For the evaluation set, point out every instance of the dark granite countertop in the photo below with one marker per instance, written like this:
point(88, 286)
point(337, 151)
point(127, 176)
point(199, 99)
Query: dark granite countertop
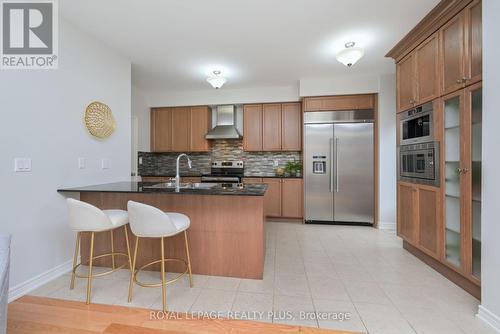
point(273, 177)
point(145, 187)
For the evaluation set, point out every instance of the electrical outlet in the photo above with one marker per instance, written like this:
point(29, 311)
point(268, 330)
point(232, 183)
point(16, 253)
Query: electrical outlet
point(22, 165)
point(81, 163)
point(275, 163)
point(105, 164)
point(140, 160)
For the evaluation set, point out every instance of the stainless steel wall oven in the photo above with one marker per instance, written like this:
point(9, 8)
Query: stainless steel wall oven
point(419, 163)
point(416, 125)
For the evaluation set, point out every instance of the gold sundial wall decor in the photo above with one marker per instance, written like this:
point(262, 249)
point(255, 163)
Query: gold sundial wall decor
point(99, 120)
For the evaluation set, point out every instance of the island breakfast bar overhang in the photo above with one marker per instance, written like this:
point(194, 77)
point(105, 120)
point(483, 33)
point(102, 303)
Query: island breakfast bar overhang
point(226, 236)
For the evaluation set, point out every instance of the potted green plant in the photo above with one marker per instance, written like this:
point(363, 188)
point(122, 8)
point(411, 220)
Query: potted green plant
point(293, 168)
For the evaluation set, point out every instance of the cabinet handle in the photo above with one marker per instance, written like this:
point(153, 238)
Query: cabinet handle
point(459, 170)
point(465, 170)
point(463, 80)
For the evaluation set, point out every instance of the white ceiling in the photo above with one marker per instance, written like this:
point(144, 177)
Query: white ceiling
point(174, 45)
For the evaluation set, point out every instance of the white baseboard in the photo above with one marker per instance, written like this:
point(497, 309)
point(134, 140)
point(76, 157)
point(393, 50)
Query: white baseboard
point(489, 318)
point(37, 281)
point(390, 226)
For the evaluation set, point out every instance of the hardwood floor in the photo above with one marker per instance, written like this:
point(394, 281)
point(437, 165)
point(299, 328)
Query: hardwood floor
point(36, 315)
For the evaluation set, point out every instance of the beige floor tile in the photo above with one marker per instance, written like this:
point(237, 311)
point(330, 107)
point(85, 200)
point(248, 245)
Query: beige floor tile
point(339, 315)
point(223, 283)
point(179, 299)
point(265, 285)
point(328, 288)
point(295, 311)
point(426, 321)
point(291, 285)
point(366, 292)
point(383, 319)
point(51, 287)
point(214, 300)
point(254, 306)
point(320, 269)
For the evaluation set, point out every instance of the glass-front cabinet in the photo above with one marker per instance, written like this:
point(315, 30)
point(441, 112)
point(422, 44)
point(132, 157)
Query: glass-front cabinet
point(461, 170)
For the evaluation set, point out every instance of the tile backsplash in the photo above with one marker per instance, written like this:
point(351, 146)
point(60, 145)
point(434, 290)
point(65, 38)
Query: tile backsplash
point(256, 163)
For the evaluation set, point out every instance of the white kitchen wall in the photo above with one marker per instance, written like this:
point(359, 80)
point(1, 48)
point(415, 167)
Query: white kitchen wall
point(224, 95)
point(140, 110)
point(42, 119)
point(490, 270)
point(387, 160)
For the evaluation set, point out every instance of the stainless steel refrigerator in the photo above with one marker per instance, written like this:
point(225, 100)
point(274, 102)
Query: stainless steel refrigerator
point(338, 167)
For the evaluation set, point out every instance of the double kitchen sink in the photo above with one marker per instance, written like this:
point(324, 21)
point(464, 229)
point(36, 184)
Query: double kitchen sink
point(171, 185)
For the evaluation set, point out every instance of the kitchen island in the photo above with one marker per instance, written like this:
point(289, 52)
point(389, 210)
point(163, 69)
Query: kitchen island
point(226, 236)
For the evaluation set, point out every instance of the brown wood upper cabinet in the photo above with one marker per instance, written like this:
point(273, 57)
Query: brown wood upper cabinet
point(199, 126)
point(272, 127)
point(161, 136)
point(291, 127)
point(474, 19)
point(427, 70)
point(180, 129)
point(417, 75)
point(339, 102)
point(461, 49)
point(252, 127)
point(406, 78)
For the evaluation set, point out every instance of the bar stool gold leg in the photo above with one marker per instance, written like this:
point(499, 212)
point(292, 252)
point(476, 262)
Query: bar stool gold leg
point(128, 248)
point(112, 250)
point(75, 259)
point(189, 260)
point(132, 272)
point(163, 285)
point(89, 282)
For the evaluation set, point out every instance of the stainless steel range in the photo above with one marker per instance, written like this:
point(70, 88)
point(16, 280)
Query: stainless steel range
point(225, 172)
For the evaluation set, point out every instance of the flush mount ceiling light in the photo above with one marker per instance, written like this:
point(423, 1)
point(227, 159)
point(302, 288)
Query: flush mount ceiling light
point(216, 80)
point(350, 55)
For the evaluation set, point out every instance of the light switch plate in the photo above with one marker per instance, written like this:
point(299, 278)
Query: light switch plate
point(140, 160)
point(22, 165)
point(81, 163)
point(275, 163)
point(105, 164)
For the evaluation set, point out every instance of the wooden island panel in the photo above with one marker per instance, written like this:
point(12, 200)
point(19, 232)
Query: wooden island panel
point(226, 236)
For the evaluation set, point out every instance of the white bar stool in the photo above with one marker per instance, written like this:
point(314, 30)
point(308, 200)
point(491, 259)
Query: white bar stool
point(146, 221)
point(84, 217)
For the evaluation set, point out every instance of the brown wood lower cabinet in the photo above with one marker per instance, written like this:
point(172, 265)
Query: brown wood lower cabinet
point(419, 217)
point(407, 225)
point(272, 199)
point(291, 198)
point(284, 197)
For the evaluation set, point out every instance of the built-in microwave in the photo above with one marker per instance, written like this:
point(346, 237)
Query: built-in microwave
point(419, 163)
point(416, 125)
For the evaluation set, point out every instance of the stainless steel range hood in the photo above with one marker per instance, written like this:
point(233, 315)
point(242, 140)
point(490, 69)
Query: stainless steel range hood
point(225, 123)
